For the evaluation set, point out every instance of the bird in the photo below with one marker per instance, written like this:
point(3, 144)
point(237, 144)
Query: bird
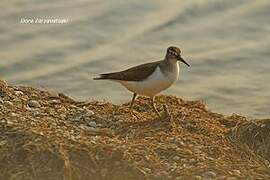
point(149, 79)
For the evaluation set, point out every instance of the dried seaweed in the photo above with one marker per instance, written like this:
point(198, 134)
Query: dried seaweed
point(46, 135)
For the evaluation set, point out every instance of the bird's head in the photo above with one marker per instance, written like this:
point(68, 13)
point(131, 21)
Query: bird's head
point(174, 53)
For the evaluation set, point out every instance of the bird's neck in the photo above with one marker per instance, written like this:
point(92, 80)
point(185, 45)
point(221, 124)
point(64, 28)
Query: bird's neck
point(170, 61)
point(169, 66)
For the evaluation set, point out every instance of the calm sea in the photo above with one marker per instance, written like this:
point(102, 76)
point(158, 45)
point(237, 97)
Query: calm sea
point(227, 43)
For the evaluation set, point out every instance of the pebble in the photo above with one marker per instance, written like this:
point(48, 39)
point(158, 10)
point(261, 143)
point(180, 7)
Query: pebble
point(3, 142)
point(176, 158)
point(32, 123)
point(53, 94)
point(1, 101)
point(87, 119)
point(19, 93)
point(56, 101)
point(87, 128)
point(33, 104)
point(209, 174)
point(193, 161)
point(236, 171)
point(197, 150)
point(62, 116)
point(36, 113)
point(6, 98)
point(89, 112)
point(9, 103)
point(92, 124)
point(10, 122)
point(13, 114)
point(147, 170)
point(177, 141)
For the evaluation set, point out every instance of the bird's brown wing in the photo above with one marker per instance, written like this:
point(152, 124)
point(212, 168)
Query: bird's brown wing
point(137, 73)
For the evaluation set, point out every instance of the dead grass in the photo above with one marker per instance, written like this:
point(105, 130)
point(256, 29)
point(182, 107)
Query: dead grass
point(255, 134)
point(65, 139)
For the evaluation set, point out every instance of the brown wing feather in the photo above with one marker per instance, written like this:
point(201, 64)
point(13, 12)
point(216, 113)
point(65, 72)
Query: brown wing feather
point(137, 73)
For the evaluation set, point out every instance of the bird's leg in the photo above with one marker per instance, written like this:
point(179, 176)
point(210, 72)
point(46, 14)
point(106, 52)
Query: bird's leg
point(132, 101)
point(154, 107)
point(131, 105)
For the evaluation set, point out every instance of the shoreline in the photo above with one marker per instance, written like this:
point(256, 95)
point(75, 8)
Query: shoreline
point(47, 134)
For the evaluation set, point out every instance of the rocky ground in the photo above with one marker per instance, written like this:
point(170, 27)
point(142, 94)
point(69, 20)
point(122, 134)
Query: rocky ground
point(47, 135)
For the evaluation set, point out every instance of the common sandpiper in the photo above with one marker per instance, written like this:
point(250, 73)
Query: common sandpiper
point(151, 78)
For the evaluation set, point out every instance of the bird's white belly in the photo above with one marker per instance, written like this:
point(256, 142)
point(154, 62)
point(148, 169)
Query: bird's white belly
point(154, 84)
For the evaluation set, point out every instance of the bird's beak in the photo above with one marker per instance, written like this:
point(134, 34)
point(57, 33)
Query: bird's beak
point(179, 58)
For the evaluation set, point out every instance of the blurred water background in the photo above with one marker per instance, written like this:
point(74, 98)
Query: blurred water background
point(227, 43)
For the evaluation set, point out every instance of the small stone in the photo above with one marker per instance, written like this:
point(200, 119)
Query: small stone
point(53, 94)
point(176, 158)
point(197, 150)
point(28, 108)
point(19, 93)
point(177, 141)
point(9, 103)
point(82, 126)
point(236, 171)
point(193, 161)
point(147, 170)
point(89, 112)
point(209, 174)
point(92, 124)
point(4, 142)
point(5, 98)
point(33, 104)
point(56, 101)
point(35, 113)
point(62, 116)
point(10, 122)
point(13, 114)
point(77, 118)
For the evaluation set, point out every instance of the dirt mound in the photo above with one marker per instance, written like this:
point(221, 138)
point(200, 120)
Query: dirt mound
point(46, 135)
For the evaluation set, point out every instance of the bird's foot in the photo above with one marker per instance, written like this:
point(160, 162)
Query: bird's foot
point(164, 113)
point(160, 116)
